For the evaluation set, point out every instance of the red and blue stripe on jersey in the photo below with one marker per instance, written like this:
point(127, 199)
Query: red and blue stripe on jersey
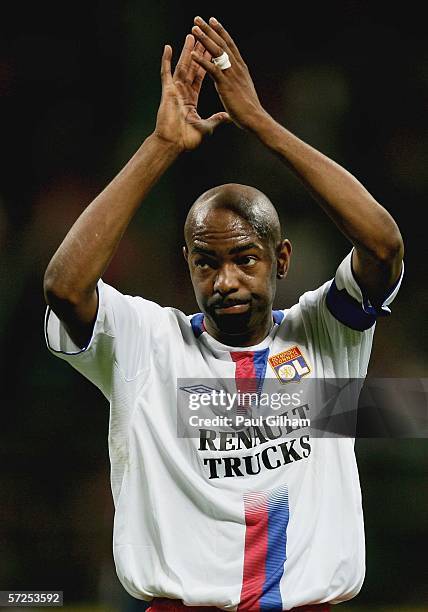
point(266, 512)
point(266, 521)
point(250, 370)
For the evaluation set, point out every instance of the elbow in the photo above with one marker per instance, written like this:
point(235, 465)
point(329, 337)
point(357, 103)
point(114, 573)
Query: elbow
point(52, 289)
point(387, 259)
point(391, 252)
point(58, 295)
point(65, 296)
point(49, 287)
point(388, 248)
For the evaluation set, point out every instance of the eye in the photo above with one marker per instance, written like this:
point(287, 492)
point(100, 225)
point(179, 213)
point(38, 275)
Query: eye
point(247, 260)
point(203, 264)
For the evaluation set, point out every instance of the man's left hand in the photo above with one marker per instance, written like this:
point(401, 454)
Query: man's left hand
point(234, 85)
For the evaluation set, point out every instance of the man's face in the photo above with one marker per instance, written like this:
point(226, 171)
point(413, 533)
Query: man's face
point(233, 272)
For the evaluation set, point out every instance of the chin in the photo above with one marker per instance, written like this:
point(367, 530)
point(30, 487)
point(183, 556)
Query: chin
point(233, 324)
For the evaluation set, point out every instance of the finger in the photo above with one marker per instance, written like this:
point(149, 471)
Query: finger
point(207, 65)
point(200, 73)
point(194, 67)
point(209, 44)
point(185, 59)
point(212, 35)
point(214, 121)
point(225, 36)
point(166, 65)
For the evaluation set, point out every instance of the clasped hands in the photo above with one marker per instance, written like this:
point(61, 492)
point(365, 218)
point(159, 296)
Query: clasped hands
point(178, 122)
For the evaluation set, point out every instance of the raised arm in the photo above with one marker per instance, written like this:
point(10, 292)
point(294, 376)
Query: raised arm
point(72, 274)
point(371, 229)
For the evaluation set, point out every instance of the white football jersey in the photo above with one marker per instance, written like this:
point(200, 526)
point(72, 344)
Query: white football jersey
point(263, 522)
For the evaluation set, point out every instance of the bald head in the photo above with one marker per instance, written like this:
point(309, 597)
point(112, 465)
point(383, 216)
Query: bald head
point(247, 202)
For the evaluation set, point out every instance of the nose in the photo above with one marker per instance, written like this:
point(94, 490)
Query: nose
point(226, 280)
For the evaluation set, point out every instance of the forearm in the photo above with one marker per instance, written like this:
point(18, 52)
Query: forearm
point(377, 260)
point(90, 244)
point(369, 227)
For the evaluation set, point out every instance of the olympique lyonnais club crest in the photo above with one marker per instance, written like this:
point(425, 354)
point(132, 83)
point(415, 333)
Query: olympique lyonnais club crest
point(290, 365)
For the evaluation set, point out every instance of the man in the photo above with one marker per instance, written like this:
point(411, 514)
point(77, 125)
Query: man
point(232, 519)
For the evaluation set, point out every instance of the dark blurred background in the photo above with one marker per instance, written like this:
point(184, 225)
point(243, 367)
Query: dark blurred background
point(79, 86)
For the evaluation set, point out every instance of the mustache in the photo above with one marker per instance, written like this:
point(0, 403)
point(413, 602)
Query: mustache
point(227, 302)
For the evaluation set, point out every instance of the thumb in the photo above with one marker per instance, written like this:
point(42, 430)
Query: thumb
point(166, 76)
point(215, 120)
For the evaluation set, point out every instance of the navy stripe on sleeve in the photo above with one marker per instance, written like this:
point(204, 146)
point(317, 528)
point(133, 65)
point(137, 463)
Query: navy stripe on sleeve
point(351, 312)
point(348, 310)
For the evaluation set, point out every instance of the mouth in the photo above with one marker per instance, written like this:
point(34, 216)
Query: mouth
point(232, 309)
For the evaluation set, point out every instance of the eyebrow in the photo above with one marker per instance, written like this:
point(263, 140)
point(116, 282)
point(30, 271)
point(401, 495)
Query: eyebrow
point(237, 249)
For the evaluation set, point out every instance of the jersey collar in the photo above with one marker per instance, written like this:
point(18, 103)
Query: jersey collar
point(198, 327)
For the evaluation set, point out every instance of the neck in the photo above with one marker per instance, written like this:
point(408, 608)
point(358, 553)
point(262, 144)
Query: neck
point(249, 337)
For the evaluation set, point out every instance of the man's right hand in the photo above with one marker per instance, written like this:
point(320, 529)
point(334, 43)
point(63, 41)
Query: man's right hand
point(178, 122)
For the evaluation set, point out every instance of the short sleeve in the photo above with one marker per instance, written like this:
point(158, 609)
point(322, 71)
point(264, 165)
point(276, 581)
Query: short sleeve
point(348, 304)
point(121, 338)
point(339, 323)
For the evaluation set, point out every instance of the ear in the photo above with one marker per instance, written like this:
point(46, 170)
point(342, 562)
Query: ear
point(186, 254)
point(283, 256)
